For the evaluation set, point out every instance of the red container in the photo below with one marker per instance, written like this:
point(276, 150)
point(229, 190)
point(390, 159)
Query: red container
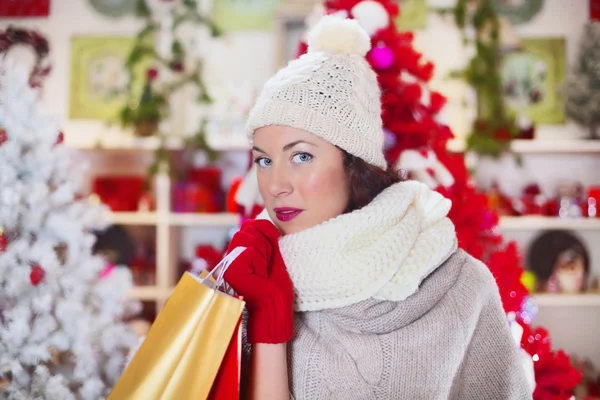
point(119, 193)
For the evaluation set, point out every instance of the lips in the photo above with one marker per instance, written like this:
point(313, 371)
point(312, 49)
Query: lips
point(285, 214)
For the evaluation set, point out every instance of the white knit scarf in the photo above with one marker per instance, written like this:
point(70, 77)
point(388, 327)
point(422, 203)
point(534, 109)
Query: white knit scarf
point(382, 251)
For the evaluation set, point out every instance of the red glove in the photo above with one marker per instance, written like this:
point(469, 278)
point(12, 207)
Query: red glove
point(259, 275)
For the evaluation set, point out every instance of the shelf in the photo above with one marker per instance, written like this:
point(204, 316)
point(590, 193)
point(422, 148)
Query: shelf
point(564, 146)
point(218, 142)
point(540, 222)
point(204, 219)
point(132, 218)
point(567, 300)
point(556, 146)
point(147, 293)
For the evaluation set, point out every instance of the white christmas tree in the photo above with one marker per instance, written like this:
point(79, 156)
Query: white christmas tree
point(61, 330)
point(582, 86)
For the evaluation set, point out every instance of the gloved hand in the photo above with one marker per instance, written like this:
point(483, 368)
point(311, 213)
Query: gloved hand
point(259, 275)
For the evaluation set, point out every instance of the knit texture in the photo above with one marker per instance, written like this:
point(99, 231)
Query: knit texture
point(382, 251)
point(449, 340)
point(331, 91)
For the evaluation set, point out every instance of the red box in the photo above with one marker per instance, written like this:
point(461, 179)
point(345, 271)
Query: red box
point(24, 8)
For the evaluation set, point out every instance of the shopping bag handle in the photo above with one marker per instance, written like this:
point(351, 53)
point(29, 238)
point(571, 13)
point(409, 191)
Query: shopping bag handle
point(223, 265)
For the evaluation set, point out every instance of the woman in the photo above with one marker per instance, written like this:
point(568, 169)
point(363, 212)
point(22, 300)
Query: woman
point(353, 282)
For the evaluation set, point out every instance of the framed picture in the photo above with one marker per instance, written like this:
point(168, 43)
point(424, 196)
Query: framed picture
point(99, 78)
point(413, 15)
point(243, 15)
point(24, 8)
point(531, 78)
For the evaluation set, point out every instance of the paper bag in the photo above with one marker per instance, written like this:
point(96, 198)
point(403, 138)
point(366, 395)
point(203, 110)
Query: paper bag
point(183, 351)
point(227, 383)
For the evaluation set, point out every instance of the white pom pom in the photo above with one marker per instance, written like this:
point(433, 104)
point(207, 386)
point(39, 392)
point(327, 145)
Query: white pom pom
point(371, 16)
point(337, 35)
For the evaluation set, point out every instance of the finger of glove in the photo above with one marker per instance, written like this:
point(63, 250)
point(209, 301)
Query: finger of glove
point(251, 237)
point(264, 227)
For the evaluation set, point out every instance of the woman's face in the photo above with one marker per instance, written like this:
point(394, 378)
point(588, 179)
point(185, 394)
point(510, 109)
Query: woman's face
point(301, 177)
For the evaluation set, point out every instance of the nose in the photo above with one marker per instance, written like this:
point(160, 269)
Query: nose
point(279, 180)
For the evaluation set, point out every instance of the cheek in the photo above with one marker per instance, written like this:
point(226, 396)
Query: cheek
point(326, 187)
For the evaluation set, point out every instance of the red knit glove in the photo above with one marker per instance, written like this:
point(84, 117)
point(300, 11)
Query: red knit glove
point(259, 275)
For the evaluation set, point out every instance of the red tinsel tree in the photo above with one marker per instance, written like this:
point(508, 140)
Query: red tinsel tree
point(410, 112)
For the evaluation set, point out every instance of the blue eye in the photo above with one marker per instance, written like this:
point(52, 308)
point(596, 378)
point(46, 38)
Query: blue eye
point(263, 162)
point(302, 158)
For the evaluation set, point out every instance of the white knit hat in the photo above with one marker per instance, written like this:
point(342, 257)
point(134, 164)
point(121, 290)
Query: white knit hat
point(331, 91)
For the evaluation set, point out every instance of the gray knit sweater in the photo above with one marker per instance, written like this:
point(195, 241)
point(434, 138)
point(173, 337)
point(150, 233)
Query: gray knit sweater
point(449, 340)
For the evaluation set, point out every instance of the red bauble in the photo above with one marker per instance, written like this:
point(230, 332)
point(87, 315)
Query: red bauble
point(3, 136)
point(36, 275)
point(60, 138)
point(3, 241)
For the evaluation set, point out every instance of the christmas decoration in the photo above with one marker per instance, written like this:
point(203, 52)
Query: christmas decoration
point(176, 65)
point(3, 241)
point(16, 36)
point(36, 275)
point(25, 8)
point(61, 329)
point(582, 86)
point(416, 141)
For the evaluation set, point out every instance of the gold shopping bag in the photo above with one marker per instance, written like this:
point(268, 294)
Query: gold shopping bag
point(181, 355)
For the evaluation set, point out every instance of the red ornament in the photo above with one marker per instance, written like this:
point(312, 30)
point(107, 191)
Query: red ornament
point(3, 241)
point(60, 138)
point(3, 136)
point(36, 275)
point(152, 74)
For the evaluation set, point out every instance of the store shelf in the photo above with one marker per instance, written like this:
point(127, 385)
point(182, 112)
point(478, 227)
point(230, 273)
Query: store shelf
point(147, 293)
point(555, 146)
point(218, 142)
point(522, 146)
point(541, 223)
point(204, 219)
point(567, 300)
point(132, 218)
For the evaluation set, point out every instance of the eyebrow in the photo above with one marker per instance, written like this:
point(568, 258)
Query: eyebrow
point(286, 147)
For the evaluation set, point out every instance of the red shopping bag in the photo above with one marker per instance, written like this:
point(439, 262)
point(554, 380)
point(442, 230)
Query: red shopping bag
point(227, 383)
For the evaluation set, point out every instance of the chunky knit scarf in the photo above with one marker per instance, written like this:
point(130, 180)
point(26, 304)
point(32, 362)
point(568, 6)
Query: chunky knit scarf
point(382, 251)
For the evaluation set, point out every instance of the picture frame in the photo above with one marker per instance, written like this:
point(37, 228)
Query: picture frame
point(99, 78)
point(244, 15)
point(413, 15)
point(532, 77)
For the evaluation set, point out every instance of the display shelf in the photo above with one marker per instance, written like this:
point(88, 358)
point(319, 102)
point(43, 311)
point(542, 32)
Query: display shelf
point(132, 218)
point(217, 141)
point(204, 219)
point(567, 300)
point(541, 223)
point(147, 293)
point(521, 146)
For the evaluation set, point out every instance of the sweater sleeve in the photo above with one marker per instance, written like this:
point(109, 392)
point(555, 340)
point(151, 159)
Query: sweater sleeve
point(492, 367)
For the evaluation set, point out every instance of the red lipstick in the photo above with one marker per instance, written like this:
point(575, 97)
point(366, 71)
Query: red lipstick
point(285, 214)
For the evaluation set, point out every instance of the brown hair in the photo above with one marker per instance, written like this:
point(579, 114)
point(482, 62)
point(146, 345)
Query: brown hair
point(366, 181)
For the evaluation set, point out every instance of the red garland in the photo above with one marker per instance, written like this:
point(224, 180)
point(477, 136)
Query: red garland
point(17, 36)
